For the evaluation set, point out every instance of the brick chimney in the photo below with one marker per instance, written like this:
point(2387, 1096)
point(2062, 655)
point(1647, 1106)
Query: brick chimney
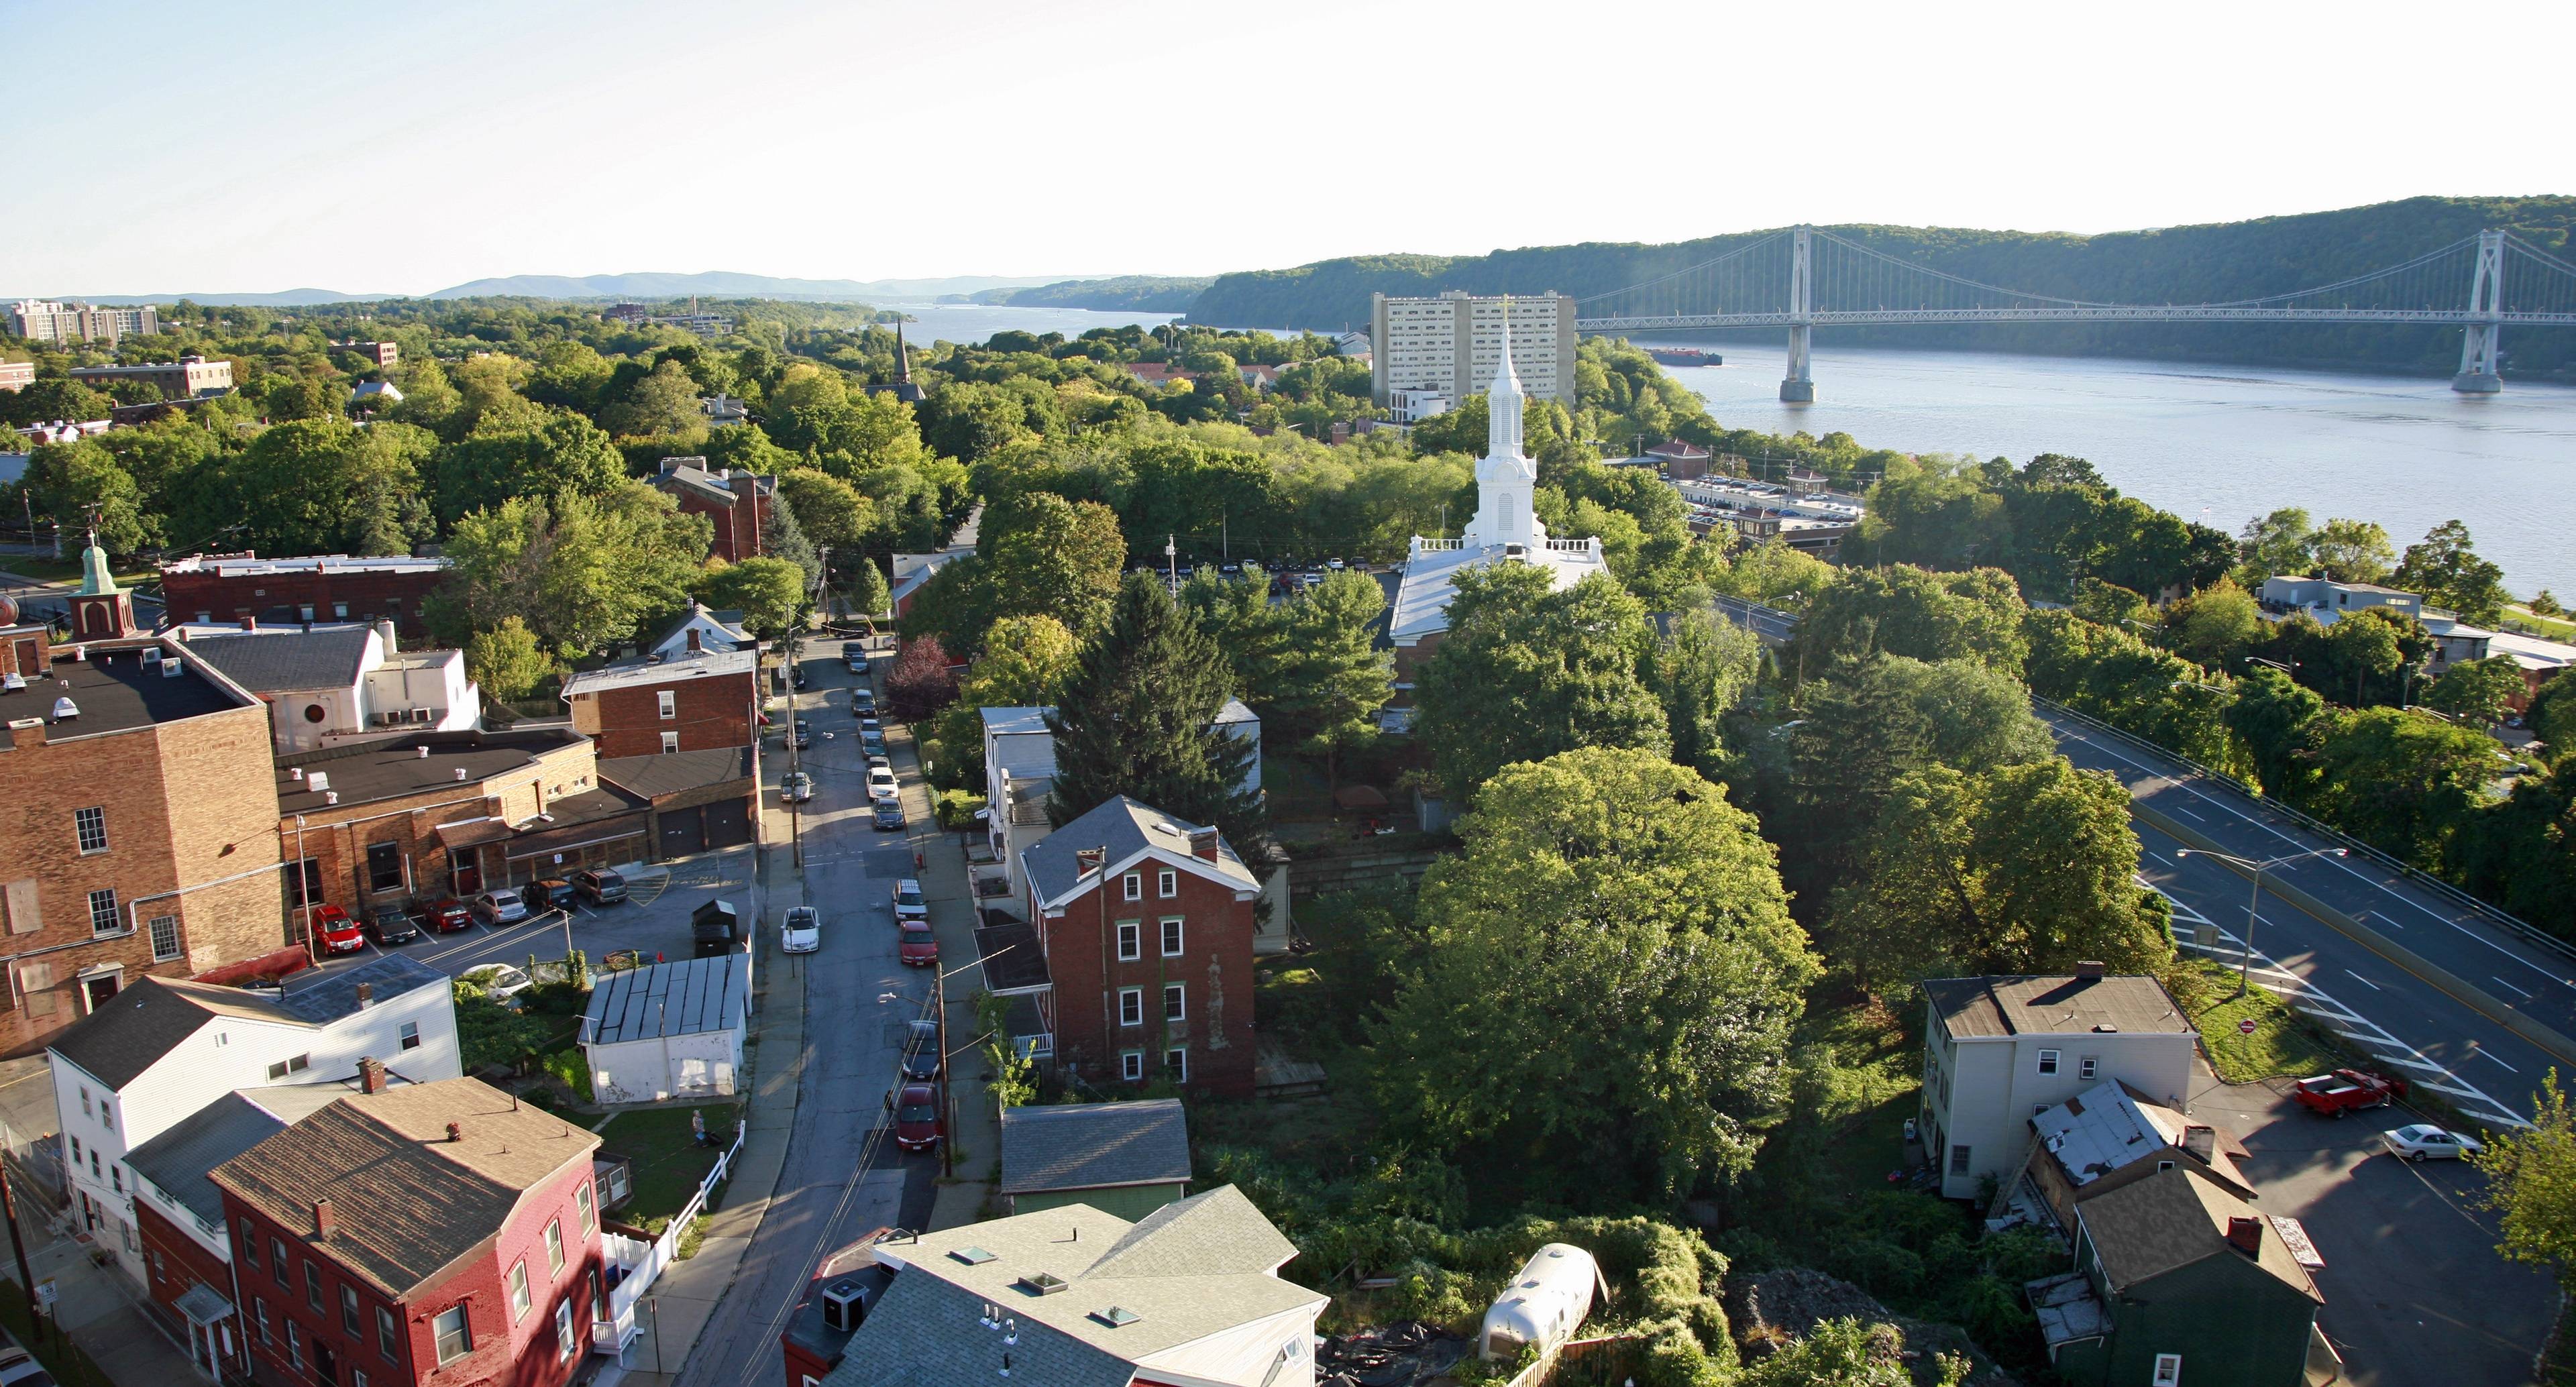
point(2245, 1234)
point(325, 1222)
point(250, 623)
point(456, 1131)
point(366, 995)
point(371, 1075)
point(1203, 843)
point(2089, 970)
point(2199, 1140)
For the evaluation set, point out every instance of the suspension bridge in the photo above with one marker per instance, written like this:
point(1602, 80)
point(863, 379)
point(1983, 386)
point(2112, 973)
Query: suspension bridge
point(1804, 277)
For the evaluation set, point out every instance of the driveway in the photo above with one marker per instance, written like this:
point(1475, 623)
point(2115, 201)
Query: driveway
point(2415, 1293)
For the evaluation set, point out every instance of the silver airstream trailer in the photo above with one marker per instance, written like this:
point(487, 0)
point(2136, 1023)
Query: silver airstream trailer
point(1543, 1305)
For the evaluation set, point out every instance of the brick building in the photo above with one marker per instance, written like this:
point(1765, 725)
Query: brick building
point(700, 800)
point(140, 832)
point(652, 706)
point(339, 683)
point(738, 502)
point(381, 353)
point(185, 379)
point(282, 592)
point(17, 375)
point(425, 1233)
point(1146, 926)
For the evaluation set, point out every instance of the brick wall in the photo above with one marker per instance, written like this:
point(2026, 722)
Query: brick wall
point(708, 711)
point(369, 595)
point(173, 1262)
point(337, 839)
point(1214, 970)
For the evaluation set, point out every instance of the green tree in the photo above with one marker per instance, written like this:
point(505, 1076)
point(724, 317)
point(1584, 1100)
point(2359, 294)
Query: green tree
point(560, 454)
point(507, 661)
point(1847, 1353)
point(2281, 724)
point(2448, 573)
point(2405, 783)
point(1596, 874)
point(1325, 692)
point(2531, 1183)
point(52, 399)
point(1526, 671)
point(1237, 614)
point(315, 486)
point(1914, 612)
point(1026, 663)
point(864, 586)
point(769, 592)
point(582, 572)
point(69, 482)
point(1042, 555)
point(830, 510)
point(1138, 718)
point(2214, 627)
point(1701, 667)
point(2280, 543)
point(2477, 689)
point(2352, 551)
point(663, 402)
point(2552, 717)
point(2362, 647)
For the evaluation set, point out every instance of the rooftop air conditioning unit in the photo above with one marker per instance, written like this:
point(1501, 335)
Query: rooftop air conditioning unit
point(318, 781)
point(151, 654)
point(12, 683)
point(845, 1303)
point(173, 667)
point(65, 709)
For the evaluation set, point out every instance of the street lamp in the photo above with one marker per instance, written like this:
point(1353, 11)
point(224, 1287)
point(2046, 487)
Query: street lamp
point(2245, 962)
point(2291, 668)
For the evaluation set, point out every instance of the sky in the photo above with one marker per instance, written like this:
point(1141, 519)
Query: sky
point(163, 148)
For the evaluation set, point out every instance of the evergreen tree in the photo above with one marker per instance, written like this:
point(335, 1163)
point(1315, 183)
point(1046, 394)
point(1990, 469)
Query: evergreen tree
point(1137, 717)
point(865, 586)
point(783, 538)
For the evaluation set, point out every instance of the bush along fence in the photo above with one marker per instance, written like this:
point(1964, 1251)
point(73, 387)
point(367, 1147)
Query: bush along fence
point(638, 1262)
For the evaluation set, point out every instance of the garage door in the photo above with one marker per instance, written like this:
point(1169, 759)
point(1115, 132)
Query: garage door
point(728, 824)
point(683, 832)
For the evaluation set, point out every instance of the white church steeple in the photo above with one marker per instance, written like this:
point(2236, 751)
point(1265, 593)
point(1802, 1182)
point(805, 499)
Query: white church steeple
point(1505, 479)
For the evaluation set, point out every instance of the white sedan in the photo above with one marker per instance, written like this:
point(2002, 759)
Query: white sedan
point(881, 783)
point(2424, 1141)
point(802, 931)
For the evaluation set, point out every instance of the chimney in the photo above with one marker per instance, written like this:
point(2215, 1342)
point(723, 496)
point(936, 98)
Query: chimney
point(325, 1222)
point(366, 999)
point(2088, 970)
point(1203, 843)
point(2200, 1141)
point(250, 623)
point(385, 633)
point(456, 1131)
point(2245, 1234)
point(371, 1073)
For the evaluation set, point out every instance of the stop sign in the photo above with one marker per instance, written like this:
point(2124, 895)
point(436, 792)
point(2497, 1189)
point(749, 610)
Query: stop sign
point(2246, 1026)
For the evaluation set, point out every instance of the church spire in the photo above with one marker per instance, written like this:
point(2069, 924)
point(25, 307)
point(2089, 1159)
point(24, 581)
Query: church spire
point(1504, 401)
point(902, 354)
point(1506, 480)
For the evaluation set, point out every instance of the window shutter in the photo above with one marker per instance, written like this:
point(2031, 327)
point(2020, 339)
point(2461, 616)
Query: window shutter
point(24, 915)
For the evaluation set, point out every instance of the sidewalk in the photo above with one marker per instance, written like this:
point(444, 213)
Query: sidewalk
point(96, 1306)
point(975, 1130)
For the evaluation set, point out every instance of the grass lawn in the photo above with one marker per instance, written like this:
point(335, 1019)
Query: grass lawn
point(61, 1357)
point(45, 570)
point(668, 1165)
point(2284, 1043)
point(2549, 627)
point(1296, 789)
point(1846, 1128)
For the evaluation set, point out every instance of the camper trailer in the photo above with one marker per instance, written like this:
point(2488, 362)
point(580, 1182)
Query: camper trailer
point(1543, 1305)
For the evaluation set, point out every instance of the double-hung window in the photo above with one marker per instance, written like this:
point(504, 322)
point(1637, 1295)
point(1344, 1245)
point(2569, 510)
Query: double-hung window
point(1171, 936)
point(90, 826)
point(1134, 885)
point(102, 911)
point(581, 1204)
point(1175, 1002)
point(1167, 883)
point(1131, 1006)
point(1131, 943)
point(518, 1290)
point(554, 1246)
point(455, 1335)
point(567, 1343)
point(2048, 1061)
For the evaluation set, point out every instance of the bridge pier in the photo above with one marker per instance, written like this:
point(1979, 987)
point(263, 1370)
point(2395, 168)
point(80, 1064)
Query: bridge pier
point(2479, 359)
point(2478, 375)
point(1798, 387)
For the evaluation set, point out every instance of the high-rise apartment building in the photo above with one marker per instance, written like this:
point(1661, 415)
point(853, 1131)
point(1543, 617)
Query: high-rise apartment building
point(39, 320)
point(1452, 345)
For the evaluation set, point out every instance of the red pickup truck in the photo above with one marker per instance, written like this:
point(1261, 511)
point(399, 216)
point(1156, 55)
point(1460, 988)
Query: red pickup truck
point(2346, 1089)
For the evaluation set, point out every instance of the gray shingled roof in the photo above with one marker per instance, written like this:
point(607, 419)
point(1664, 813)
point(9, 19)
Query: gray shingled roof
point(178, 1160)
point(1085, 1146)
point(690, 997)
point(2055, 1005)
point(676, 772)
point(326, 657)
point(152, 1015)
point(1127, 828)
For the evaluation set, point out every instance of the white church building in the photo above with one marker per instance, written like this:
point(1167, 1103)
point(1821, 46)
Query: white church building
point(1506, 530)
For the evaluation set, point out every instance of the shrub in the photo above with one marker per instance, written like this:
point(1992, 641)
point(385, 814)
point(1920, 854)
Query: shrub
point(956, 809)
point(571, 1067)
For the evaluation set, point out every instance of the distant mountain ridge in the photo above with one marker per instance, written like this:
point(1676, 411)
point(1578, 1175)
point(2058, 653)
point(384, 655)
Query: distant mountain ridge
point(727, 284)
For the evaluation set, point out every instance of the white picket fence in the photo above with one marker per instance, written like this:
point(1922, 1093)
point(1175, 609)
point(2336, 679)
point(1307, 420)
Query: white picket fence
point(644, 1261)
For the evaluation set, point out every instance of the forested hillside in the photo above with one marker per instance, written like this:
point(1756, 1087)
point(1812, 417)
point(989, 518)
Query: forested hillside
point(2188, 264)
point(1137, 293)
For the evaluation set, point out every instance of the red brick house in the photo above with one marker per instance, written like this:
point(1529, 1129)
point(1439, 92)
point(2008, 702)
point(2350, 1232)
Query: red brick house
point(436, 1234)
point(224, 588)
point(1146, 926)
point(738, 502)
point(647, 707)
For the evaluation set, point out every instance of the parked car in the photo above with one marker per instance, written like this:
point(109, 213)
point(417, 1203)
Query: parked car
point(336, 932)
point(873, 743)
point(796, 788)
point(502, 906)
point(881, 783)
point(800, 734)
point(856, 659)
point(888, 816)
point(907, 901)
point(18, 1367)
point(553, 893)
point(863, 700)
point(446, 915)
point(499, 981)
point(802, 931)
point(2423, 1141)
point(921, 1050)
point(386, 925)
point(599, 886)
point(876, 761)
point(2346, 1089)
point(915, 948)
point(917, 1126)
point(798, 678)
point(869, 723)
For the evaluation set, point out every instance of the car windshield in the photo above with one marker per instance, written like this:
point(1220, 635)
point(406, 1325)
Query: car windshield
point(907, 898)
point(916, 1112)
point(916, 930)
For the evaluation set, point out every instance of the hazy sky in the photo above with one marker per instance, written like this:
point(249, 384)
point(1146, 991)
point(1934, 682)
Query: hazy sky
point(401, 148)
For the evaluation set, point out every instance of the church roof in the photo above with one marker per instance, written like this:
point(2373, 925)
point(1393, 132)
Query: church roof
point(1431, 578)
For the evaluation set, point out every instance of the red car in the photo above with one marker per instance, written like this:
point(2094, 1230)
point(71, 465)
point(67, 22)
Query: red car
point(916, 1117)
point(446, 915)
point(916, 947)
point(2346, 1089)
point(338, 933)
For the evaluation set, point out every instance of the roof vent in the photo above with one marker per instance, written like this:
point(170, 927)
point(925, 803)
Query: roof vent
point(65, 710)
point(12, 683)
point(318, 781)
point(2106, 1030)
point(173, 667)
point(296, 774)
point(460, 772)
point(456, 1131)
point(1044, 1283)
point(971, 1256)
point(424, 752)
point(151, 654)
point(1116, 1316)
point(330, 797)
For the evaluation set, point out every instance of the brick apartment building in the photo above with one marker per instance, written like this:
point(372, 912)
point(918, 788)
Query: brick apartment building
point(279, 592)
point(738, 502)
point(17, 375)
point(647, 707)
point(424, 1233)
point(1146, 926)
point(381, 353)
point(184, 379)
point(140, 832)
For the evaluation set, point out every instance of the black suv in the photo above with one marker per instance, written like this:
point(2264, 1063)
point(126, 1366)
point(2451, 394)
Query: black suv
point(390, 924)
point(921, 1051)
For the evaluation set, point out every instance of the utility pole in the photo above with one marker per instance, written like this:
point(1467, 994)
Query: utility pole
point(36, 1314)
point(1171, 566)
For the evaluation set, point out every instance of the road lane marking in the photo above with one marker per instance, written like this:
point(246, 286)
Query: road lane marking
point(2187, 813)
point(2411, 1064)
point(2527, 995)
point(2480, 1049)
point(2446, 1088)
point(2356, 977)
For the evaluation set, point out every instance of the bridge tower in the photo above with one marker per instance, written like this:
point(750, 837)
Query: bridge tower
point(1797, 387)
point(2478, 358)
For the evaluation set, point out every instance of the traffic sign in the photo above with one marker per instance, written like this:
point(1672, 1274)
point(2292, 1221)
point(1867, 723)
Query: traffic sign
point(2246, 1026)
point(45, 1292)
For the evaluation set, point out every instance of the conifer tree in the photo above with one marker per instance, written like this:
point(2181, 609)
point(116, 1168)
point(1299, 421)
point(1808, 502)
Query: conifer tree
point(1137, 720)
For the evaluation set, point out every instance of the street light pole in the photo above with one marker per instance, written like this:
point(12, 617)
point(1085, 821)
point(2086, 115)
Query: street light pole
point(2245, 958)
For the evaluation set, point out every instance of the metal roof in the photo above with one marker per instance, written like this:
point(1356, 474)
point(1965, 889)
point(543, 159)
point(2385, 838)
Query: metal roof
point(690, 997)
point(1081, 1146)
point(267, 661)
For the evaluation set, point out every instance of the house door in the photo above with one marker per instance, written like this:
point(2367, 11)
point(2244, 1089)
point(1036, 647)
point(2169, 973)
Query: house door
point(96, 989)
point(326, 1366)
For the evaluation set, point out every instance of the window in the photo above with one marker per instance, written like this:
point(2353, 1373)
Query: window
point(76, 1155)
point(2048, 1061)
point(259, 1316)
point(554, 1245)
point(284, 1067)
point(1131, 943)
point(106, 1114)
point(567, 1343)
point(2162, 1166)
point(2087, 1067)
point(667, 703)
point(1167, 883)
point(1958, 1160)
point(313, 1285)
point(2168, 1370)
point(357, 1377)
point(1135, 886)
point(455, 1336)
point(411, 1035)
point(388, 1335)
point(349, 1318)
point(165, 938)
point(581, 1204)
point(250, 1249)
point(294, 1344)
point(1177, 1060)
point(518, 1290)
point(116, 1177)
point(384, 867)
point(102, 912)
point(670, 742)
point(304, 611)
point(1175, 1002)
point(93, 1163)
point(304, 888)
point(85, 1110)
point(91, 827)
point(1131, 1065)
point(277, 1259)
point(1171, 936)
point(1131, 1006)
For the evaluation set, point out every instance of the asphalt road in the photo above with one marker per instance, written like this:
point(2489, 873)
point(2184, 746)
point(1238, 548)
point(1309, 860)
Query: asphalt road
point(2479, 1065)
point(842, 1178)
